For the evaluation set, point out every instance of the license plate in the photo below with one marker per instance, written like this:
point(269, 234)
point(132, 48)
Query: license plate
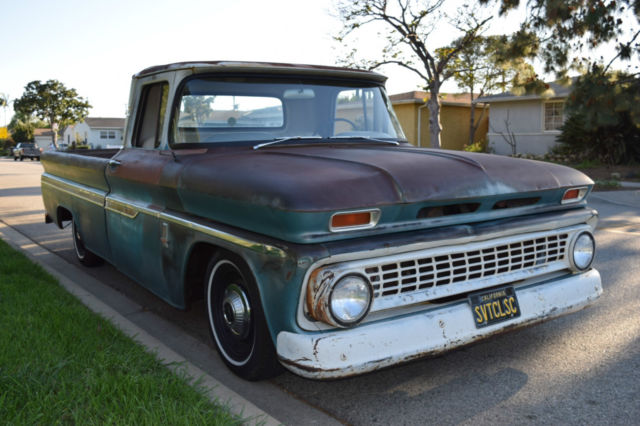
point(494, 306)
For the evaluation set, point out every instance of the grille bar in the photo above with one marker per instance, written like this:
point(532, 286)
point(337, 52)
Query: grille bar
point(407, 276)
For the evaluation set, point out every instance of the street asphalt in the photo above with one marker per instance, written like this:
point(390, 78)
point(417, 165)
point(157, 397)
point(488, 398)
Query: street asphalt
point(583, 368)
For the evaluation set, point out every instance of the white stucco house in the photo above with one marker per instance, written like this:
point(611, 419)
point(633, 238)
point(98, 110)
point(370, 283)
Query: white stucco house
point(97, 132)
point(532, 121)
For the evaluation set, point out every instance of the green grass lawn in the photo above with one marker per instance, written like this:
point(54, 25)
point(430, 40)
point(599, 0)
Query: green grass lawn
point(61, 363)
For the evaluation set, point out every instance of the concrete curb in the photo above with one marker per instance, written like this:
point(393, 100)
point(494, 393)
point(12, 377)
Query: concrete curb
point(217, 392)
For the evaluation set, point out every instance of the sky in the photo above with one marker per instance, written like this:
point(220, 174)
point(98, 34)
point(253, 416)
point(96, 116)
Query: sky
point(96, 46)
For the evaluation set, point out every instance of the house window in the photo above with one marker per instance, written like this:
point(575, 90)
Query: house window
point(553, 115)
point(107, 134)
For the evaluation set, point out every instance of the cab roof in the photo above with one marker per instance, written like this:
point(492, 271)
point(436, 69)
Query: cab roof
point(264, 68)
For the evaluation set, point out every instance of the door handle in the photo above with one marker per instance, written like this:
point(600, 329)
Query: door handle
point(114, 163)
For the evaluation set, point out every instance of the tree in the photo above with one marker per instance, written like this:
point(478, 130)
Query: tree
point(4, 103)
point(406, 26)
point(22, 127)
point(481, 68)
point(603, 125)
point(21, 131)
point(53, 102)
point(567, 30)
point(508, 135)
point(566, 34)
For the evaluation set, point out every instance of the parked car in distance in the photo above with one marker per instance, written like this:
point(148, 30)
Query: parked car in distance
point(26, 150)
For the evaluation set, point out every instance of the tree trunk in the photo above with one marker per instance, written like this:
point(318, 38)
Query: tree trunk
point(472, 122)
point(434, 116)
point(54, 136)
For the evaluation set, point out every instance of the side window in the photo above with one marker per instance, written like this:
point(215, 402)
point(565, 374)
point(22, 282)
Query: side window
point(153, 103)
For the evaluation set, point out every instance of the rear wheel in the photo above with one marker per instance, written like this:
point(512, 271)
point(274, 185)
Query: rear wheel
point(21, 158)
point(84, 255)
point(236, 319)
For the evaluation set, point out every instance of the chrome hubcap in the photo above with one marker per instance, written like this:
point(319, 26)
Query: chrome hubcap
point(236, 311)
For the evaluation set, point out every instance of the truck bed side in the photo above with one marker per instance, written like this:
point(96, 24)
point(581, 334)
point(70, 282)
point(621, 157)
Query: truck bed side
point(74, 186)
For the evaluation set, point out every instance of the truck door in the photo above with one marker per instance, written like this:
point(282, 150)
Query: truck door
point(136, 196)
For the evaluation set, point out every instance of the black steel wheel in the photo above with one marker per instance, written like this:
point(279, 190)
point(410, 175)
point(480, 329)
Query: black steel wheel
point(236, 319)
point(84, 255)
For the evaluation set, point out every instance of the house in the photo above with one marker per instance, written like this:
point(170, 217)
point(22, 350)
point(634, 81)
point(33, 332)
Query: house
point(43, 137)
point(97, 132)
point(526, 124)
point(413, 114)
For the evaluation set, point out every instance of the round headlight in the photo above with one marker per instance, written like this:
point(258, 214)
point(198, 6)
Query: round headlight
point(350, 300)
point(584, 249)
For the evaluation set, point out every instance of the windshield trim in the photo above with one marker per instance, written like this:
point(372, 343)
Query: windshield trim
point(329, 80)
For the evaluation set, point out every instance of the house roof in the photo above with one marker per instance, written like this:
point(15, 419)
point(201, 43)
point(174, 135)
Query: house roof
point(42, 132)
point(105, 122)
point(556, 90)
point(420, 97)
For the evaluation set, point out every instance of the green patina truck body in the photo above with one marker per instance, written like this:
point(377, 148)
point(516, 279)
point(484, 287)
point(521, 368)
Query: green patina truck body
point(320, 239)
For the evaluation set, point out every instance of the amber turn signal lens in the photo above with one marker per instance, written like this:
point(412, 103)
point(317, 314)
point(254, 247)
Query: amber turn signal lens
point(573, 195)
point(350, 219)
point(570, 194)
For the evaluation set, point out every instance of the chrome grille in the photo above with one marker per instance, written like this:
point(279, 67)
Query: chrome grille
point(411, 275)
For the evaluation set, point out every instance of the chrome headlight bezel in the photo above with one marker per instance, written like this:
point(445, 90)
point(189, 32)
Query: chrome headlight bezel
point(577, 242)
point(365, 286)
point(321, 291)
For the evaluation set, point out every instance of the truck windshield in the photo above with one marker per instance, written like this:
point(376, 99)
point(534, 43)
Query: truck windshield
point(213, 110)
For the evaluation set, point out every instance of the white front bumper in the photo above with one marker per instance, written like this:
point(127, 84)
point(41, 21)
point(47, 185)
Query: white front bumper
point(341, 353)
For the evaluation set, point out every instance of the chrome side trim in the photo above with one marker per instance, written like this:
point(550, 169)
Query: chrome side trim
point(119, 207)
point(85, 193)
point(133, 209)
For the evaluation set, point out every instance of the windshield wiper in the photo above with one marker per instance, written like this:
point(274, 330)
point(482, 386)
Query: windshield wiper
point(365, 138)
point(286, 139)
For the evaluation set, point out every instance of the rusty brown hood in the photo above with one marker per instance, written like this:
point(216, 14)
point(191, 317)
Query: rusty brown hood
point(335, 177)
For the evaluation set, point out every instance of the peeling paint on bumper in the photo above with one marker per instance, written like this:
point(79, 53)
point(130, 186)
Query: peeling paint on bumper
point(343, 353)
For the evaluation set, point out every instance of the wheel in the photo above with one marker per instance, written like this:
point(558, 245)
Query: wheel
point(84, 255)
point(32, 158)
point(15, 158)
point(236, 319)
point(21, 158)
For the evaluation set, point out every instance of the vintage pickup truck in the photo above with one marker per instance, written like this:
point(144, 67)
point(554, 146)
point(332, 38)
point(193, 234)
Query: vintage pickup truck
point(288, 198)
